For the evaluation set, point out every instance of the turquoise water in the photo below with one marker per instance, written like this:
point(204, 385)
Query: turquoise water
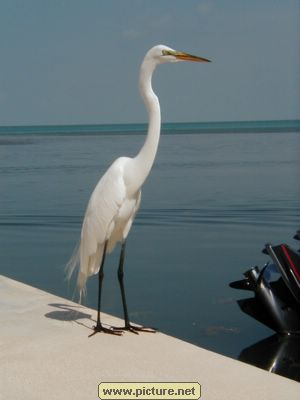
point(208, 207)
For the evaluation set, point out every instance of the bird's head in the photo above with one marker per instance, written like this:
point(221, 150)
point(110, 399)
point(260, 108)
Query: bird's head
point(161, 54)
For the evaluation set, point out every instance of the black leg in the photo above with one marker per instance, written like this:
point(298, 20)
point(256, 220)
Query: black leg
point(128, 326)
point(121, 282)
point(99, 327)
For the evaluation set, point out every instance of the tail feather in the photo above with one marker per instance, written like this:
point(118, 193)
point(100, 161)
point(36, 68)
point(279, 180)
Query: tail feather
point(73, 265)
point(86, 265)
point(81, 286)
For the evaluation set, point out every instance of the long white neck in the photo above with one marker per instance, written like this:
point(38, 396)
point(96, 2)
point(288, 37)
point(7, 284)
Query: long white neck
point(144, 159)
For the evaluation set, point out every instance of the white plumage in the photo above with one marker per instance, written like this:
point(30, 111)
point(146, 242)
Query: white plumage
point(109, 216)
point(116, 198)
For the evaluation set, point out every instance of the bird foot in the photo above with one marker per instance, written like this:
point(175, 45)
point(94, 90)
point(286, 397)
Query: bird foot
point(112, 331)
point(136, 329)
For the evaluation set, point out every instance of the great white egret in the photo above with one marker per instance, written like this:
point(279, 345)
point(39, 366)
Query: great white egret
point(116, 198)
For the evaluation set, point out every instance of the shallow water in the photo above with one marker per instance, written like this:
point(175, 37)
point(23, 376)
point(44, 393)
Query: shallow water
point(210, 204)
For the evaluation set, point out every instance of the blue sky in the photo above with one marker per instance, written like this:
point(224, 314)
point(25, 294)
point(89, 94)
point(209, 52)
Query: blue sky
point(71, 61)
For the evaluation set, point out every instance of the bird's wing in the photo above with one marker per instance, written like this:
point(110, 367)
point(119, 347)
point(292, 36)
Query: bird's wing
point(136, 206)
point(103, 207)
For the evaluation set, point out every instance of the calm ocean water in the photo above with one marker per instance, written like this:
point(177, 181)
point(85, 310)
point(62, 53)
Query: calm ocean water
point(216, 194)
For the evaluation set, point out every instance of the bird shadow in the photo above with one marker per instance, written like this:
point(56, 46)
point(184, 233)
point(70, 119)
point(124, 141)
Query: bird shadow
point(68, 312)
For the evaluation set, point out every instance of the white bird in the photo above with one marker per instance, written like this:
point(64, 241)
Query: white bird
point(116, 198)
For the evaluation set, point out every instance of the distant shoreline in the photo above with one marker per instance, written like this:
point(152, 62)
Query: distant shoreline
point(266, 126)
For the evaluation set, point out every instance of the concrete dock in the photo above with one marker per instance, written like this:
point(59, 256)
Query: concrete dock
point(46, 354)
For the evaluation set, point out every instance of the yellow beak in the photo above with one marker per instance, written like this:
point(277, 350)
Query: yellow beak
point(185, 56)
point(189, 57)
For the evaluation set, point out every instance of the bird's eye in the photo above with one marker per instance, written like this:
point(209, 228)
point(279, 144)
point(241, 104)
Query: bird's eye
point(166, 53)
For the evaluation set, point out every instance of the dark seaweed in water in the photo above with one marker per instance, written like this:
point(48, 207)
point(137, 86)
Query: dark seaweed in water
point(7, 141)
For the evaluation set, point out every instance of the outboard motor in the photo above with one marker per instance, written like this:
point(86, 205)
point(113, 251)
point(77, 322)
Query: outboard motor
point(277, 290)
